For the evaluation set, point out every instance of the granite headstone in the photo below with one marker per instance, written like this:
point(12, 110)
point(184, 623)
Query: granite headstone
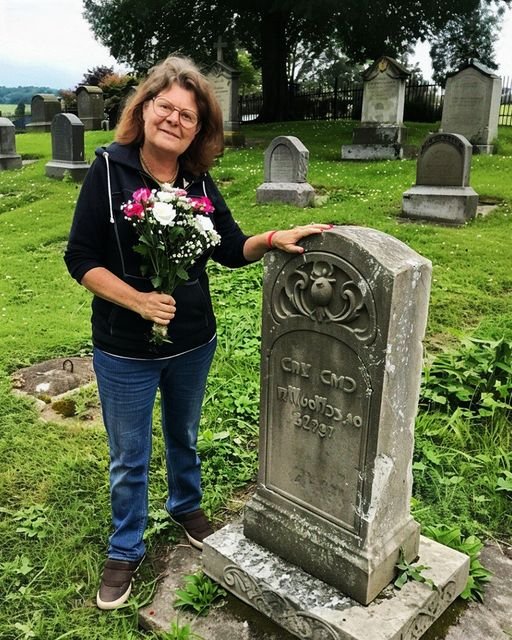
point(286, 163)
point(442, 192)
point(44, 106)
point(67, 148)
point(381, 133)
point(472, 105)
point(225, 82)
point(91, 106)
point(9, 159)
point(340, 372)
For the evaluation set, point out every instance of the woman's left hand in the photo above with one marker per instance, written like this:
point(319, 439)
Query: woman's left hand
point(286, 239)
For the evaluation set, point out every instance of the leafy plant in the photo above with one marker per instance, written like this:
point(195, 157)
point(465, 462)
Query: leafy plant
point(475, 379)
point(32, 521)
point(471, 546)
point(199, 594)
point(407, 571)
point(180, 632)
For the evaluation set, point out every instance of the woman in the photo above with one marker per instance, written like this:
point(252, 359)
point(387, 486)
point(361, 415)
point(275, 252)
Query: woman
point(170, 132)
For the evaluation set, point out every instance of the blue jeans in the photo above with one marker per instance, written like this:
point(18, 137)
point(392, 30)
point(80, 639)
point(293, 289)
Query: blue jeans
point(127, 390)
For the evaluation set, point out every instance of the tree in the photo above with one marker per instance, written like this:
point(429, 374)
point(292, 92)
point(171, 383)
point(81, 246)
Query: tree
point(20, 110)
point(141, 32)
point(94, 76)
point(463, 38)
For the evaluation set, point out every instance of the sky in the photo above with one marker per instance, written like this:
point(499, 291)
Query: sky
point(49, 43)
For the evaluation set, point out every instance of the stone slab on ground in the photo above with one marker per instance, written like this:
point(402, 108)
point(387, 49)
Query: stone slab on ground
point(309, 608)
point(371, 152)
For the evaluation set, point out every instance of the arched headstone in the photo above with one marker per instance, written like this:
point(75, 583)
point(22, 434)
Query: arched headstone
point(9, 159)
point(67, 148)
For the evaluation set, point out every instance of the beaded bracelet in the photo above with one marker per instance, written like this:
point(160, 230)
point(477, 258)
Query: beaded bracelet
point(269, 239)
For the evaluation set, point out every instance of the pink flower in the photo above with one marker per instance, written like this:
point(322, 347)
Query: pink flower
point(142, 195)
point(202, 204)
point(134, 210)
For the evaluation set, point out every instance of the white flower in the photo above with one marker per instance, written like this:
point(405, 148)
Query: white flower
point(204, 224)
point(164, 213)
point(165, 196)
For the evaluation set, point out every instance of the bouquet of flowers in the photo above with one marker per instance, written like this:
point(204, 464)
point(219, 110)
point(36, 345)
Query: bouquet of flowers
point(174, 229)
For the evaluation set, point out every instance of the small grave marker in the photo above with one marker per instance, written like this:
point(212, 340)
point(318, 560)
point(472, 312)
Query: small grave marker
point(286, 164)
point(442, 192)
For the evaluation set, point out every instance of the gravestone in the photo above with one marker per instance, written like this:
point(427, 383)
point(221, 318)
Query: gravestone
point(91, 106)
point(9, 159)
point(340, 373)
point(44, 106)
point(285, 168)
point(381, 133)
point(225, 81)
point(472, 105)
point(442, 192)
point(67, 148)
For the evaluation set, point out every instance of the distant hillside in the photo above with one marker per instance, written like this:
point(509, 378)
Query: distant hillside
point(14, 95)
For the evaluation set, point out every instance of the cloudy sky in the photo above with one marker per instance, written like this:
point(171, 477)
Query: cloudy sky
point(48, 43)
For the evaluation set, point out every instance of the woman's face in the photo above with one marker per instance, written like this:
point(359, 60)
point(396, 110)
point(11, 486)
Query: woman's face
point(171, 120)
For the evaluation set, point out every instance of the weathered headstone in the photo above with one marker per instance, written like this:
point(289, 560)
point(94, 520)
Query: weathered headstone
point(225, 82)
point(286, 167)
point(67, 148)
point(91, 106)
point(472, 105)
point(9, 159)
point(44, 106)
point(442, 192)
point(381, 133)
point(340, 373)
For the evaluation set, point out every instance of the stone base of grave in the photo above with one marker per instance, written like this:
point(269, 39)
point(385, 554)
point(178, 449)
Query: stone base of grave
point(379, 134)
point(39, 127)
point(10, 161)
point(371, 152)
point(324, 549)
point(308, 608)
point(299, 194)
point(483, 149)
point(233, 137)
point(450, 205)
point(57, 169)
point(92, 124)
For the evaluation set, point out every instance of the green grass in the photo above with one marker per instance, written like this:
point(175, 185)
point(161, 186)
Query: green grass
point(54, 520)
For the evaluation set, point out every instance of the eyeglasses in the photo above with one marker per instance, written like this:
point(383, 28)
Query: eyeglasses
point(163, 109)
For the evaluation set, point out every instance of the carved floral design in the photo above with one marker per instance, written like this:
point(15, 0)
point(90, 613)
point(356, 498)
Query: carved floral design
point(277, 607)
point(326, 289)
point(437, 604)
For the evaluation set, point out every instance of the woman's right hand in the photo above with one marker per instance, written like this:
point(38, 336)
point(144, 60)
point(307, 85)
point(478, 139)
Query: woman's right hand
point(157, 307)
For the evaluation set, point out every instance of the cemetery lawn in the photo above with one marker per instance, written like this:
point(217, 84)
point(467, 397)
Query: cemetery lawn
point(54, 512)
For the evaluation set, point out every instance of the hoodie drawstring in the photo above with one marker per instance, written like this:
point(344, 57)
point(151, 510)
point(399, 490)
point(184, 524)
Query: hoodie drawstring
point(111, 208)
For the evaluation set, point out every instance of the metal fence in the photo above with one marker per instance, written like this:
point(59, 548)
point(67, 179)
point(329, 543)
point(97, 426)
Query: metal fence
point(506, 102)
point(423, 103)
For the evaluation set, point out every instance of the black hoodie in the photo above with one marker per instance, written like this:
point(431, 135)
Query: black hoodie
point(101, 237)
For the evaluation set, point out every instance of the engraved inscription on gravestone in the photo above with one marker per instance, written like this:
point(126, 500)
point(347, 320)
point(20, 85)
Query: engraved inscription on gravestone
point(222, 87)
point(381, 98)
point(465, 101)
point(320, 407)
point(281, 164)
